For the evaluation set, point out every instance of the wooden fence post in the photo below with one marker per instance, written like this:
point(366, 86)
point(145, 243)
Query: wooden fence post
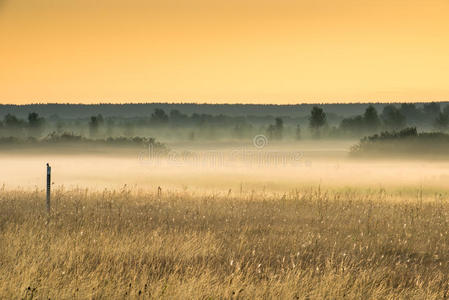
point(48, 186)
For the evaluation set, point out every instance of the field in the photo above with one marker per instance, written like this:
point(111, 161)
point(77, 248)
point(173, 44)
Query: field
point(303, 245)
point(329, 228)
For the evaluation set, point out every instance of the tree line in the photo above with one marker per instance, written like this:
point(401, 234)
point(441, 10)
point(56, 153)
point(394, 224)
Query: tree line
point(392, 118)
point(318, 124)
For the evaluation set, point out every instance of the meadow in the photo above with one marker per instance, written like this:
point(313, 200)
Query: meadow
point(323, 227)
point(309, 243)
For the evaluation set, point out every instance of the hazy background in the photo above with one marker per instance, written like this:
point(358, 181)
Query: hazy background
point(306, 164)
point(223, 51)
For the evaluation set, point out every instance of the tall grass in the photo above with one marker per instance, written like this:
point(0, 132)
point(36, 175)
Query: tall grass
point(306, 244)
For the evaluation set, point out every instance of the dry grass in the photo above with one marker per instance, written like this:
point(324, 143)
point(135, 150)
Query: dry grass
point(306, 244)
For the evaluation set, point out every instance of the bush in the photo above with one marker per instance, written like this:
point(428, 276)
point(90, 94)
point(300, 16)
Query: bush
point(405, 142)
point(71, 139)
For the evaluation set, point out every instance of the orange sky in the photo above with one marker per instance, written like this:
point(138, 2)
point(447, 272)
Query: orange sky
point(251, 51)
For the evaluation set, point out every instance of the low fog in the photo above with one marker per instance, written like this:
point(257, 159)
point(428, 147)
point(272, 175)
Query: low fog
point(219, 167)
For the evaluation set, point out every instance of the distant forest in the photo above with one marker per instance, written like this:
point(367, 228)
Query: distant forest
point(168, 122)
point(132, 110)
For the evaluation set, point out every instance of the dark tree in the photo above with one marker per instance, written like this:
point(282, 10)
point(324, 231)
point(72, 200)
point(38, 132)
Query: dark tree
point(12, 126)
point(159, 117)
point(317, 120)
point(12, 122)
point(275, 131)
point(177, 118)
point(371, 119)
point(369, 122)
point(279, 126)
point(94, 124)
point(34, 120)
point(355, 125)
point(411, 112)
point(392, 118)
point(35, 124)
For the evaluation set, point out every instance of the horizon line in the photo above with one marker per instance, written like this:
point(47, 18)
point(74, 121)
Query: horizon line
point(226, 103)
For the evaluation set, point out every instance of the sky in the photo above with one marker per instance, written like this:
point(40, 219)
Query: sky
point(223, 51)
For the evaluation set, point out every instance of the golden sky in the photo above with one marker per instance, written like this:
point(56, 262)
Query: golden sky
point(250, 51)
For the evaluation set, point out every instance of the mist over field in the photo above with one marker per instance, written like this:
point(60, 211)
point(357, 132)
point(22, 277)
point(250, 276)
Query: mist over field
point(191, 206)
point(220, 167)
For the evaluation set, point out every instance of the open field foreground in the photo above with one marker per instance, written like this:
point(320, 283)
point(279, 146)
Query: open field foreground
point(309, 243)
